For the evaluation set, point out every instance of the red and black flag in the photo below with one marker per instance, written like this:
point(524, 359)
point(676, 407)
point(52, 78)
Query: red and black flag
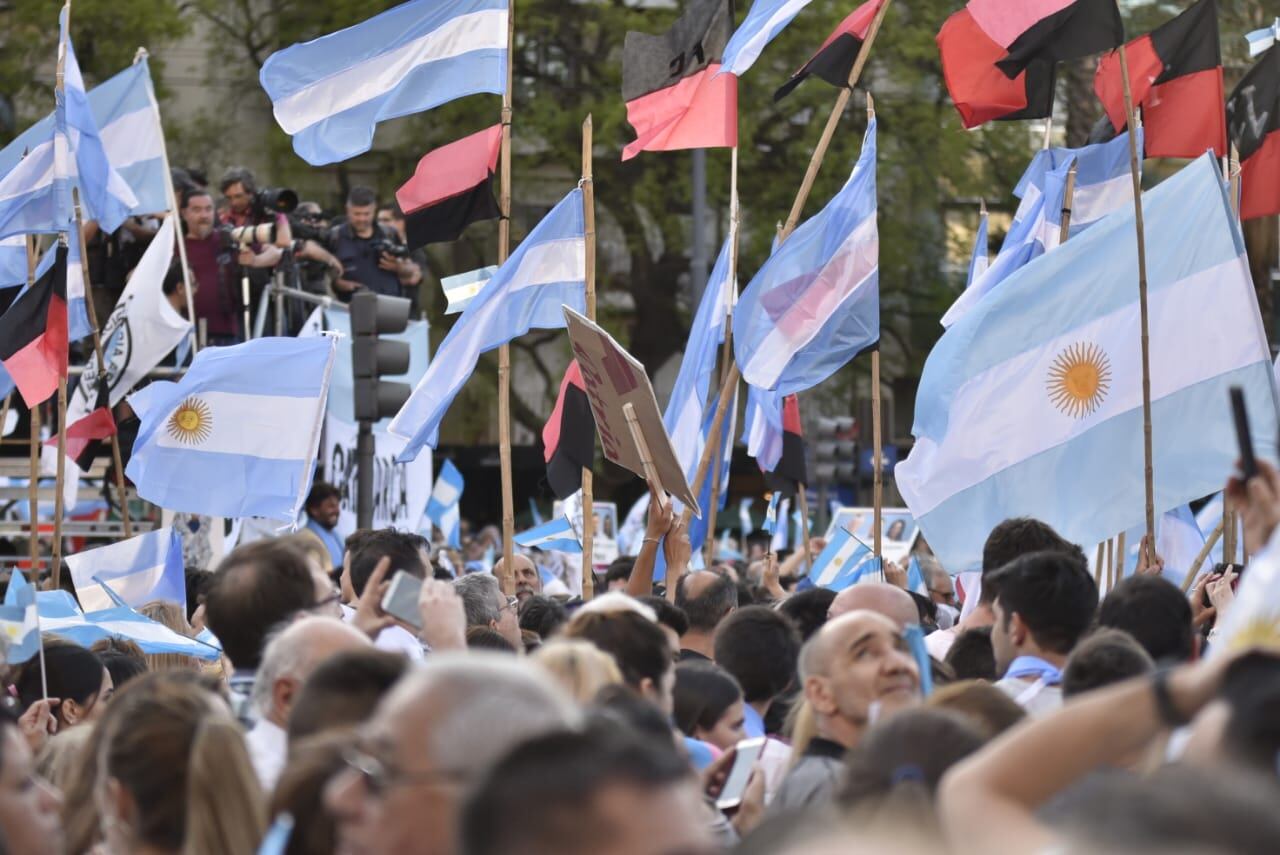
point(1175, 76)
point(451, 189)
point(675, 100)
point(569, 436)
point(981, 91)
point(1048, 30)
point(1253, 116)
point(834, 60)
point(33, 334)
point(790, 472)
point(85, 435)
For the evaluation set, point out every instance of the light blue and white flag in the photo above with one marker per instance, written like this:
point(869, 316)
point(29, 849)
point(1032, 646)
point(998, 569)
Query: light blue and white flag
point(1260, 40)
point(981, 258)
point(1178, 542)
point(725, 550)
point(138, 570)
point(237, 436)
point(128, 122)
point(77, 314)
point(1034, 399)
point(764, 21)
point(106, 197)
point(780, 541)
point(35, 196)
point(330, 93)
point(442, 507)
point(915, 578)
point(1102, 185)
point(557, 534)
point(816, 301)
point(797, 528)
point(547, 271)
point(744, 517)
point(762, 429)
point(19, 625)
point(461, 289)
point(771, 513)
point(843, 562)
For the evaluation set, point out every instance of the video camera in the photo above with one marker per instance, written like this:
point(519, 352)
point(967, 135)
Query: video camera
point(391, 248)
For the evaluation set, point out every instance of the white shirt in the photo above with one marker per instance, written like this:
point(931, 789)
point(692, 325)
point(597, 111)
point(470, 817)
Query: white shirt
point(268, 745)
point(395, 639)
point(939, 642)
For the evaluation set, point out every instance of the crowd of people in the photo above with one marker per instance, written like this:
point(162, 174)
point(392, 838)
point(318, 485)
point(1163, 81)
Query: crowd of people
point(727, 708)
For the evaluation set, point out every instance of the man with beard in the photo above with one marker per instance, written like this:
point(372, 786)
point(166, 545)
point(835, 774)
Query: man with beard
point(323, 507)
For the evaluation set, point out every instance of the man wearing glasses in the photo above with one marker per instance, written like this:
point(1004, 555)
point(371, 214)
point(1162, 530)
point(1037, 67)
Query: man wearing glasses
point(437, 733)
point(487, 606)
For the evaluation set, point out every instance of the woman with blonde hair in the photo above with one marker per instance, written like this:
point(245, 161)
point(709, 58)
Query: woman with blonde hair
point(579, 666)
point(173, 773)
point(174, 617)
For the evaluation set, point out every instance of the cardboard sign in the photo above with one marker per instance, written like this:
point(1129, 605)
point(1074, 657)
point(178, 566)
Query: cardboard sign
point(898, 530)
point(614, 379)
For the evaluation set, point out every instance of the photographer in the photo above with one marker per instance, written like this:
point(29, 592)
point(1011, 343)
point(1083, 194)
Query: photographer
point(216, 263)
point(372, 256)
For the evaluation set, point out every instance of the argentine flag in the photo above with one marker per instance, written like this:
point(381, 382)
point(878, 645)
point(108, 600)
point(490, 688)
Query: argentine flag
point(1031, 405)
point(547, 271)
point(557, 534)
point(844, 562)
point(330, 93)
point(237, 436)
point(764, 21)
point(19, 625)
point(138, 570)
point(816, 301)
point(1102, 185)
point(442, 506)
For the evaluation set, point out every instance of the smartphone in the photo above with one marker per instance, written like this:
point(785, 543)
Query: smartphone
point(401, 599)
point(746, 753)
point(1248, 463)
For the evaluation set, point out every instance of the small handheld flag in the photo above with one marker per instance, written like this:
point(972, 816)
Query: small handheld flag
point(771, 513)
point(558, 534)
point(442, 507)
point(744, 516)
point(844, 562)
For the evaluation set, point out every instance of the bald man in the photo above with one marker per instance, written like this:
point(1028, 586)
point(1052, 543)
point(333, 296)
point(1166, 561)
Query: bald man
point(880, 597)
point(707, 598)
point(287, 661)
point(855, 671)
point(438, 732)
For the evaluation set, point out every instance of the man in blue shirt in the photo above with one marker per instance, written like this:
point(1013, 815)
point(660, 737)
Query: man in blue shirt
point(324, 505)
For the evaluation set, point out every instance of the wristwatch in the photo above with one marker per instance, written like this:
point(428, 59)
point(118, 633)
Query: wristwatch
point(1165, 707)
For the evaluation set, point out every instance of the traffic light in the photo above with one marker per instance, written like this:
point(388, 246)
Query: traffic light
point(834, 451)
point(372, 357)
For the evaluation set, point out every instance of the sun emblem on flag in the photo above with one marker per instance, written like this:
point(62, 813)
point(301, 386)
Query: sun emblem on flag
point(191, 422)
point(1261, 631)
point(1079, 379)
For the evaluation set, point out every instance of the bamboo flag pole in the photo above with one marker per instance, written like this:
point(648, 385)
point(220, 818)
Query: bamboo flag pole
point(1111, 562)
point(116, 458)
point(507, 579)
point(589, 227)
point(61, 467)
point(172, 200)
point(1201, 556)
point(877, 439)
point(1097, 566)
point(33, 483)
point(1148, 467)
point(837, 110)
point(726, 356)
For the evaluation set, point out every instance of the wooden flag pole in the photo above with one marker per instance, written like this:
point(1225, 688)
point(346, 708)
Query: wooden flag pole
point(58, 501)
point(837, 110)
point(1201, 556)
point(507, 577)
point(1111, 562)
point(1097, 566)
point(727, 387)
point(589, 225)
point(726, 356)
point(1120, 559)
point(1230, 522)
point(33, 484)
point(172, 199)
point(877, 441)
point(1148, 467)
point(646, 459)
point(116, 458)
point(803, 501)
